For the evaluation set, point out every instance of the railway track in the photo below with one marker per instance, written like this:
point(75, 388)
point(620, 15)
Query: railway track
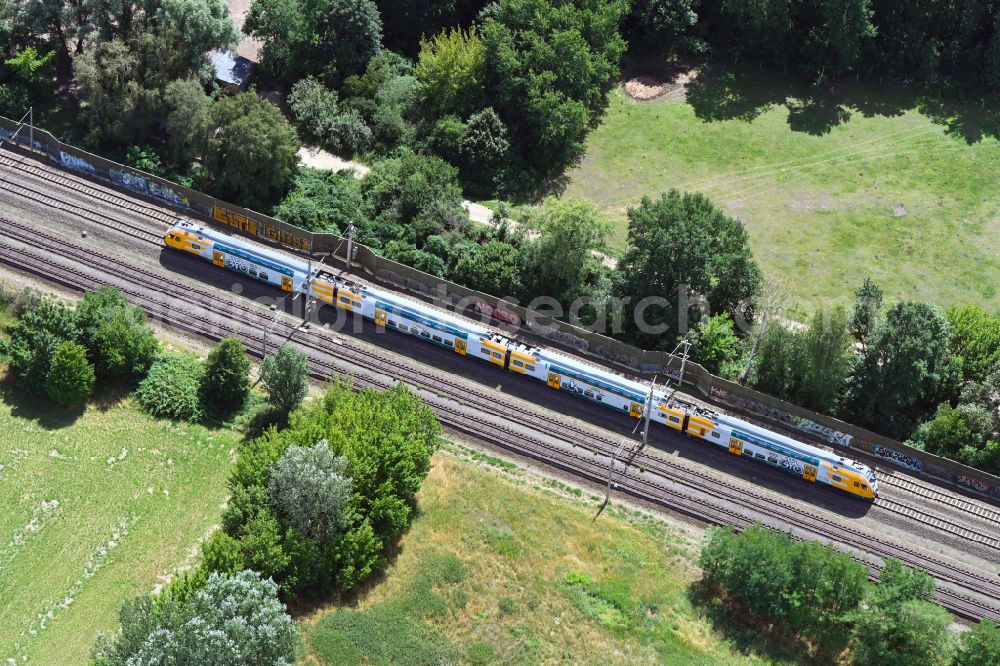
point(925, 491)
point(938, 522)
point(911, 513)
point(655, 483)
point(78, 184)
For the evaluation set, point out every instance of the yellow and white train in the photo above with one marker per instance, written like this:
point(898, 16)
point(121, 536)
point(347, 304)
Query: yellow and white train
point(557, 370)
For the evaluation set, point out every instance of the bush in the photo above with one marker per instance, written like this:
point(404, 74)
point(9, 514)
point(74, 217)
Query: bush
point(813, 587)
point(225, 383)
point(171, 388)
point(980, 646)
point(14, 100)
point(233, 619)
point(348, 134)
point(285, 378)
point(314, 106)
point(71, 377)
point(117, 336)
point(33, 340)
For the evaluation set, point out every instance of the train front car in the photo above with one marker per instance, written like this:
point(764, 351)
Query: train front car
point(238, 256)
point(808, 462)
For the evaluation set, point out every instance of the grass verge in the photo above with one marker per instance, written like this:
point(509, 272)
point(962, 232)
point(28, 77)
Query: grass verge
point(861, 180)
point(496, 570)
point(97, 507)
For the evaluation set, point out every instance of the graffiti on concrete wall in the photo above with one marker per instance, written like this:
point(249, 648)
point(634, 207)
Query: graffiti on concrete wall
point(499, 314)
point(76, 163)
point(21, 138)
point(972, 483)
point(895, 457)
point(143, 185)
point(234, 220)
point(285, 237)
point(755, 407)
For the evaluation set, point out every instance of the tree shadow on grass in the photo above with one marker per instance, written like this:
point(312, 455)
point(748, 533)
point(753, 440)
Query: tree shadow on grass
point(750, 635)
point(42, 411)
point(728, 92)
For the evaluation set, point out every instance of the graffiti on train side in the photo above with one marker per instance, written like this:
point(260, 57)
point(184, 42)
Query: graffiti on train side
point(755, 407)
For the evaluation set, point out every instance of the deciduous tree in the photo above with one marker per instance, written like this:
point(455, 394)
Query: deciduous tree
point(561, 261)
point(285, 377)
point(331, 39)
point(71, 377)
point(906, 371)
point(250, 150)
point(681, 247)
point(226, 379)
point(451, 69)
point(310, 491)
point(980, 646)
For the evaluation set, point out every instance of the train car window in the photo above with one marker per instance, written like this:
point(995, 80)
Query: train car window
point(391, 323)
point(195, 246)
point(437, 338)
point(600, 397)
point(497, 355)
point(529, 366)
point(589, 394)
point(835, 478)
point(519, 364)
point(857, 485)
point(864, 486)
point(425, 334)
point(484, 352)
point(675, 419)
point(715, 435)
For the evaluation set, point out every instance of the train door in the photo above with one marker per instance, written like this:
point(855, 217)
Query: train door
point(735, 446)
point(460, 346)
point(380, 317)
point(286, 283)
point(635, 409)
point(809, 473)
point(218, 259)
point(555, 380)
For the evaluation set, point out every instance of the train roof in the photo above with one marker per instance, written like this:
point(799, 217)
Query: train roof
point(609, 379)
point(808, 449)
point(427, 311)
point(250, 248)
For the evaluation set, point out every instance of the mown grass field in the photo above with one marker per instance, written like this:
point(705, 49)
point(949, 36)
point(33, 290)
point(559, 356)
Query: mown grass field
point(498, 571)
point(95, 508)
point(861, 181)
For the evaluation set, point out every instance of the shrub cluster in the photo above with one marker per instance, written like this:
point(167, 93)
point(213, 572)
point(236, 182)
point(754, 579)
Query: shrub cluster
point(825, 597)
point(60, 352)
point(314, 505)
point(229, 619)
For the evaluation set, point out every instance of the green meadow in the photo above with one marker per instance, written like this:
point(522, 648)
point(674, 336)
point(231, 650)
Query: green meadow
point(498, 569)
point(859, 180)
point(96, 507)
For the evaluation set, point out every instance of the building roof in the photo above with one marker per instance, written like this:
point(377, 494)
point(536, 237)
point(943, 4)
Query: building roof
point(231, 68)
